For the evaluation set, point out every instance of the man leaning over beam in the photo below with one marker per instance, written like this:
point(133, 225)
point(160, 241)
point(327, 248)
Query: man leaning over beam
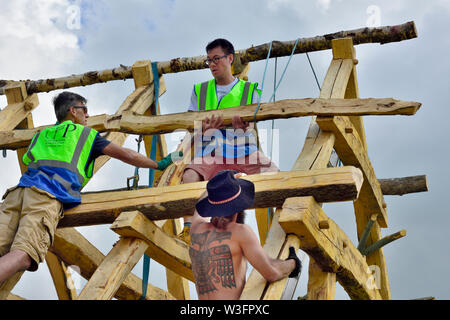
point(60, 162)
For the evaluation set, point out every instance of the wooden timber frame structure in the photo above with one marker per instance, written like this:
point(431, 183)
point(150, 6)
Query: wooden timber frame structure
point(148, 219)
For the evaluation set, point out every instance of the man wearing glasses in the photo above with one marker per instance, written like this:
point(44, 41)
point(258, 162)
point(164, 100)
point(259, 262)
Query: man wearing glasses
point(60, 162)
point(223, 148)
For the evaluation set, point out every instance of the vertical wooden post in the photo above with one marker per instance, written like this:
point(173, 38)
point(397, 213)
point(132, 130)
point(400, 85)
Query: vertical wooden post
point(14, 94)
point(344, 49)
point(143, 75)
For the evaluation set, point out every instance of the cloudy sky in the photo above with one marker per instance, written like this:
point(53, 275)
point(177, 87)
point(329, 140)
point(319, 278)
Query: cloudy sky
point(53, 38)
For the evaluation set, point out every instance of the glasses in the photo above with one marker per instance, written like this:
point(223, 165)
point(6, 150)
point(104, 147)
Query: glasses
point(85, 109)
point(209, 61)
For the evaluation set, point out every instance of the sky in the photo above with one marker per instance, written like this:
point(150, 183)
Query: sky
point(55, 38)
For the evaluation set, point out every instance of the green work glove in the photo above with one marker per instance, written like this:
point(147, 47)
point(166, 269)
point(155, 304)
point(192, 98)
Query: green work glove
point(164, 163)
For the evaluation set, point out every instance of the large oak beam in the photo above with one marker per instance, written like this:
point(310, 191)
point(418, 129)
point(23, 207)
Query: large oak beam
point(330, 248)
point(383, 34)
point(128, 120)
point(271, 189)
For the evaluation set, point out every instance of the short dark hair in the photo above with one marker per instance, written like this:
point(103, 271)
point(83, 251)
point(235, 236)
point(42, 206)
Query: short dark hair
point(226, 46)
point(222, 222)
point(63, 101)
point(241, 217)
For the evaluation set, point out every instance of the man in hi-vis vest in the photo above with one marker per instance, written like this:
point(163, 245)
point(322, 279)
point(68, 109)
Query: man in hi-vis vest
point(233, 148)
point(60, 162)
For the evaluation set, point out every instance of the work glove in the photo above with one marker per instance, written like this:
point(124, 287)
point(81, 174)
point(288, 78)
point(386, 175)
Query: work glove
point(298, 263)
point(174, 156)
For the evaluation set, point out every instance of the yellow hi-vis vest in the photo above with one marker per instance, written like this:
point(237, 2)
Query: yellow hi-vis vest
point(241, 94)
point(61, 153)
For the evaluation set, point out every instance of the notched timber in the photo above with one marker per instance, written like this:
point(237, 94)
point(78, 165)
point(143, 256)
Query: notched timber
point(351, 151)
point(331, 249)
point(169, 202)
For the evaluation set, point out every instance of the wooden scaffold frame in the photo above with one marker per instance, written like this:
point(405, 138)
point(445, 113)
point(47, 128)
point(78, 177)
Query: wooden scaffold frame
point(147, 220)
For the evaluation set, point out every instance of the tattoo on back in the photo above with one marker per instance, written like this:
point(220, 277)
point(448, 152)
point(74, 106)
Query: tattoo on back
point(212, 265)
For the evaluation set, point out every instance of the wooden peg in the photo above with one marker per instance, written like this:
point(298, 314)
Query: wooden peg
point(28, 106)
point(381, 243)
point(348, 130)
point(323, 224)
point(366, 233)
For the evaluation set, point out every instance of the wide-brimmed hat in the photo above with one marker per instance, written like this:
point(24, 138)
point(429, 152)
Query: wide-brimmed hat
point(226, 195)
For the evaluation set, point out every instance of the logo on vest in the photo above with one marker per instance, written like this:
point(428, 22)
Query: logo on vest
point(58, 135)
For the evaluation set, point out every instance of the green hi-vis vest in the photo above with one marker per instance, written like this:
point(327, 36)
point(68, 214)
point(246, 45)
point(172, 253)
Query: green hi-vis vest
point(66, 148)
point(241, 94)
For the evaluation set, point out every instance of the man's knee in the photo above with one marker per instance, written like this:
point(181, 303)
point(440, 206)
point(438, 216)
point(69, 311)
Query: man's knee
point(190, 175)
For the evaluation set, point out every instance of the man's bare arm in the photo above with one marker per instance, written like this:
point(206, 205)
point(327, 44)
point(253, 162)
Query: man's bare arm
point(271, 269)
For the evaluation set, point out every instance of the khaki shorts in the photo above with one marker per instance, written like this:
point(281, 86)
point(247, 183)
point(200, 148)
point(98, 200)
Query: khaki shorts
point(28, 220)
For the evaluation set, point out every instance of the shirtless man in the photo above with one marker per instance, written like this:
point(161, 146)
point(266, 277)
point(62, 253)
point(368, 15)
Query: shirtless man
point(220, 249)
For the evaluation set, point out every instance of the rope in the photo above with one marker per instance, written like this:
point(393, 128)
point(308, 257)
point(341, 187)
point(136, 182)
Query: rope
point(312, 68)
point(151, 177)
point(284, 71)
point(262, 85)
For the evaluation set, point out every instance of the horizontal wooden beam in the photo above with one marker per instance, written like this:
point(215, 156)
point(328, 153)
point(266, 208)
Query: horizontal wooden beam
point(389, 187)
point(75, 250)
point(351, 151)
point(169, 202)
point(134, 123)
point(163, 248)
point(331, 249)
point(404, 185)
point(382, 34)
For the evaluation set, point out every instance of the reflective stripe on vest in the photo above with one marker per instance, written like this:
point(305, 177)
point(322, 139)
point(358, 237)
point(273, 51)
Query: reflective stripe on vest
point(241, 94)
point(75, 162)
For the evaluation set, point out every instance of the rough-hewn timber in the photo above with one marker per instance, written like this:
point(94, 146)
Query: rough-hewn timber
point(382, 35)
